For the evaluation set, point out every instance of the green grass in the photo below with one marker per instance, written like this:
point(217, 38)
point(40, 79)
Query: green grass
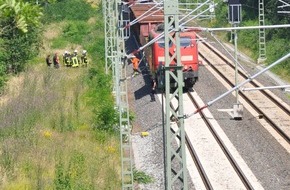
point(55, 133)
point(48, 141)
point(141, 177)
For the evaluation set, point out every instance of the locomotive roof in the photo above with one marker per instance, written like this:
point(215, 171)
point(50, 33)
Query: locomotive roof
point(141, 8)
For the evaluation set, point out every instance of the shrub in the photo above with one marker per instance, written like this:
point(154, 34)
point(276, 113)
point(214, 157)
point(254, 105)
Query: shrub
point(141, 177)
point(105, 115)
point(67, 10)
point(75, 31)
point(3, 77)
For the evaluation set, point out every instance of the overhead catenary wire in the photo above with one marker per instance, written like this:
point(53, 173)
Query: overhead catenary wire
point(197, 8)
point(267, 87)
point(239, 85)
point(144, 15)
point(236, 61)
point(235, 28)
point(161, 35)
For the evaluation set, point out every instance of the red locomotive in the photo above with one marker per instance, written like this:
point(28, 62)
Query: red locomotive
point(149, 26)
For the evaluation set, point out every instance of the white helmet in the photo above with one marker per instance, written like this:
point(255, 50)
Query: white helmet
point(75, 51)
point(65, 52)
point(84, 51)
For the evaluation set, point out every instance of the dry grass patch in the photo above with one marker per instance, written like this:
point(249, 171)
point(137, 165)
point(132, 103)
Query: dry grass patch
point(92, 21)
point(53, 30)
point(12, 89)
point(94, 3)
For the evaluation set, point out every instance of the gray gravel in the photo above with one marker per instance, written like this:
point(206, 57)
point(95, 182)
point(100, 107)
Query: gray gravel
point(267, 159)
point(264, 155)
point(148, 151)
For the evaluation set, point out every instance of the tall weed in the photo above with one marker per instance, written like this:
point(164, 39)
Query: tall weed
point(57, 126)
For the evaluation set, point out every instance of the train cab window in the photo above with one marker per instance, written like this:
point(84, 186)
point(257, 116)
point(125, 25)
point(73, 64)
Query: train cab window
point(185, 41)
point(161, 43)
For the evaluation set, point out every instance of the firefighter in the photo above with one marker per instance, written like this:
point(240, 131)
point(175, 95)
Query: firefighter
point(84, 59)
point(66, 59)
point(74, 59)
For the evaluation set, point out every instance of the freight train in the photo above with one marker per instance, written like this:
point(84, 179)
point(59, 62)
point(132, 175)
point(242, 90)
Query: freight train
point(149, 18)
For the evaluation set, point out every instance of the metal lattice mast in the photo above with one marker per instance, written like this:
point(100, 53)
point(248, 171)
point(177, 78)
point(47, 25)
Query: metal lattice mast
point(110, 23)
point(115, 53)
point(175, 162)
point(212, 10)
point(110, 41)
point(122, 96)
point(262, 34)
point(106, 27)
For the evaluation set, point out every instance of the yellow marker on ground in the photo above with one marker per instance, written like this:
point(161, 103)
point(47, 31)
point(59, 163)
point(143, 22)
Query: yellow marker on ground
point(144, 134)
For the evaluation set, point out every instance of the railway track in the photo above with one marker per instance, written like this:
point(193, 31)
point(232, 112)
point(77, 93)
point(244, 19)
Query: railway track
point(223, 157)
point(264, 102)
point(267, 106)
point(221, 144)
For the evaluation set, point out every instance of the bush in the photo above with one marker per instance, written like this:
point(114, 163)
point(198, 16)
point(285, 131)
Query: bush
point(141, 177)
point(105, 115)
point(18, 49)
point(273, 55)
point(249, 39)
point(3, 77)
point(68, 10)
point(76, 31)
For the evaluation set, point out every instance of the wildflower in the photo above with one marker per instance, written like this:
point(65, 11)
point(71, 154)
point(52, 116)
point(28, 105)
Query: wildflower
point(47, 134)
point(111, 149)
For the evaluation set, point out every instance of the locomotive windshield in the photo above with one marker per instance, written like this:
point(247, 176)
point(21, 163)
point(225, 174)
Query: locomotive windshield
point(184, 42)
point(161, 43)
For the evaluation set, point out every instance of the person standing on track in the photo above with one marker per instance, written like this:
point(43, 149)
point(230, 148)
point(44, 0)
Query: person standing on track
point(135, 61)
point(153, 89)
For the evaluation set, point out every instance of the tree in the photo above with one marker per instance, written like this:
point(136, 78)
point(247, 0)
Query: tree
point(19, 14)
point(19, 23)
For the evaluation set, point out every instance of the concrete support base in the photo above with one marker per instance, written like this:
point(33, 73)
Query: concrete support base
point(238, 110)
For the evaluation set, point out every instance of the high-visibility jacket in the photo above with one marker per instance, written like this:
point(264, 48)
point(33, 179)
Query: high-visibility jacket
point(75, 62)
point(84, 59)
point(67, 59)
point(135, 62)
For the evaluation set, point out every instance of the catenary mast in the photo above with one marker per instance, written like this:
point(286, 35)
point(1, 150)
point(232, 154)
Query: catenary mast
point(175, 162)
point(262, 34)
point(115, 62)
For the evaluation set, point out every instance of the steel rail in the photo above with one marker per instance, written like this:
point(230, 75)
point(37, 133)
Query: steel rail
point(195, 157)
point(227, 153)
point(261, 112)
point(198, 164)
point(285, 109)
